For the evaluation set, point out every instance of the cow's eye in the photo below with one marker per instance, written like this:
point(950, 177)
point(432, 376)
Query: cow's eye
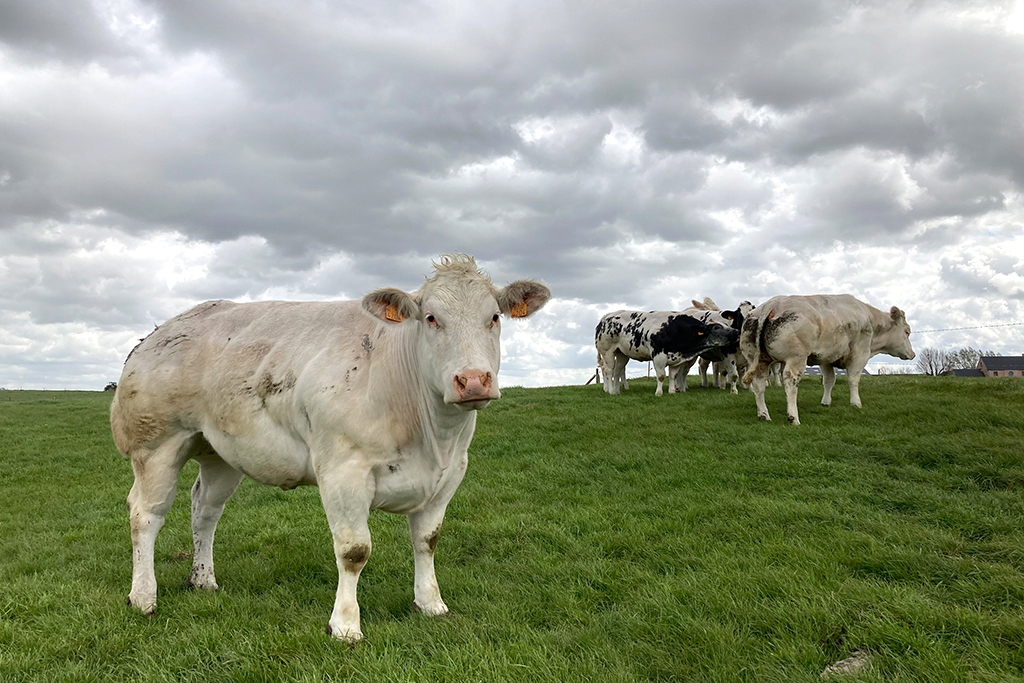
point(495, 318)
point(431, 319)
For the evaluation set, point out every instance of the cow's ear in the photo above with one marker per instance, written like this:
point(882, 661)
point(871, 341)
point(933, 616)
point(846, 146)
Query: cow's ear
point(522, 298)
point(897, 314)
point(729, 315)
point(390, 305)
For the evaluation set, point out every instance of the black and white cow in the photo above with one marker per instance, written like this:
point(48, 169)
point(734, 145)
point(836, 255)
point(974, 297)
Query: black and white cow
point(726, 359)
point(668, 338)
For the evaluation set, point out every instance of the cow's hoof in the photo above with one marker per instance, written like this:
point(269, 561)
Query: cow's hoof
point(763, 417)
point(437, 609)
point(346, 634)
point(826, 405)
point(793, 419)
point(145, 605)
point(201, 579)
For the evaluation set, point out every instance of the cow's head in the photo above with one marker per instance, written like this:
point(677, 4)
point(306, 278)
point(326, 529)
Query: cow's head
point(457, 324)
point(720, 331)
point(736, 317)
point(896, 339)
point(690, 336)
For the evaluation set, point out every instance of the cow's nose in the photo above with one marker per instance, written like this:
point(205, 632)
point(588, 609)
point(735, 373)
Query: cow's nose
point(473, 385)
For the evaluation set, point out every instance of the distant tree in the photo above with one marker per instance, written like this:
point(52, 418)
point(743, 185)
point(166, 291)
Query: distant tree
point(931, 361)
point(965, 358)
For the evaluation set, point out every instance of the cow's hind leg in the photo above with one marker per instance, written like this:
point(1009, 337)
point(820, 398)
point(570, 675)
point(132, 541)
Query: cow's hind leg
point(156, 480)
point(828, 380)
point(216, 482)
point(791, 375)
point(757, 377)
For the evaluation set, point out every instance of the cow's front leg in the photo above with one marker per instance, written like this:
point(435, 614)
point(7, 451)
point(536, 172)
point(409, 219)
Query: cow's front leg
point(346, 493)
point(853, 370)
point(684, 371)
point(425, 531)
point(660, 362)
point(732, 373)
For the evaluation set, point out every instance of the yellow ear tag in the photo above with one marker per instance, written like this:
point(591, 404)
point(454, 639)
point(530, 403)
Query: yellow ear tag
point(392, 314)
point(519, 310)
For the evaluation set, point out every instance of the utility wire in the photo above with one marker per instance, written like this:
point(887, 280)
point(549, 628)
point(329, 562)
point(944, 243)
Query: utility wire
point(976, 327)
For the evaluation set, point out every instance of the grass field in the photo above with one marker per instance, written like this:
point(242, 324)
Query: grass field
point(595, 538)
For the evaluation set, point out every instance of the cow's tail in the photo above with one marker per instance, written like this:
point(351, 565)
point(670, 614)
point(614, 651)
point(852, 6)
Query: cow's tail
point(751, 343)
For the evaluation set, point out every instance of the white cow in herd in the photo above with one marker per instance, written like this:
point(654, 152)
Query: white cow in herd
point(372, 401)
point(833, 331)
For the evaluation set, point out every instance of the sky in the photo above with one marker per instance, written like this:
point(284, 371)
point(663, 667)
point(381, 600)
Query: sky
point(628, 154)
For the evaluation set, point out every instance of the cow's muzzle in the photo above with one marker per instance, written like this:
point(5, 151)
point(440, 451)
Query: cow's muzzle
point(473, 390)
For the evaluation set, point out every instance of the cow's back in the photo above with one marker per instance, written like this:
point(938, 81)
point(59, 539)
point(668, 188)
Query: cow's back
point(823, 325)
point(223, 361)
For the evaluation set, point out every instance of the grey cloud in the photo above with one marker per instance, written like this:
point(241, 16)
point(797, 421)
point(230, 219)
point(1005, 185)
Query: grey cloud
point(325, 149)
point(52, 29)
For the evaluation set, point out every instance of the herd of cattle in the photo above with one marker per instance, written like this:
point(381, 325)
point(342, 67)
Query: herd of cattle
point(784, 335)
point(374, 401)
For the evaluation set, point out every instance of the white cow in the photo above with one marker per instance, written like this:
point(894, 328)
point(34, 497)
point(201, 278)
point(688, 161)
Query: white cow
point(833, 331)
point(372, 401)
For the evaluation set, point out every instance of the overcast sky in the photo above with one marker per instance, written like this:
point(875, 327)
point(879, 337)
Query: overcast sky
point(629, 154)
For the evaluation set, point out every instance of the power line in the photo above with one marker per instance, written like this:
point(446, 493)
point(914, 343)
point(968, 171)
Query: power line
point(976, 327)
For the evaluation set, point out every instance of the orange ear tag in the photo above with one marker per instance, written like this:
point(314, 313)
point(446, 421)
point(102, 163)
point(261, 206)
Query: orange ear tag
point(519, 310)
point(392, 314)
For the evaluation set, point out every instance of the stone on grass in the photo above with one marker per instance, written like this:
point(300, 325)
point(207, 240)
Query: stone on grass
point(856, 663)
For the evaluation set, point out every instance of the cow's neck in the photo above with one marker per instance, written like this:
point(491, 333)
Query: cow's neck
point(881, 324)
point(440, 428)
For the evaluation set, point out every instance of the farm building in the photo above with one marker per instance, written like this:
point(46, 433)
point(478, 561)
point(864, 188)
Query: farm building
point(1002, 366)
point(962, 372)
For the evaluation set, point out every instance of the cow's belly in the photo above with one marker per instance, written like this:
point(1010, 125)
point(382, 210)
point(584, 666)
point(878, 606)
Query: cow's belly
point(634, 353)
point(267, 454)
point(830, 355)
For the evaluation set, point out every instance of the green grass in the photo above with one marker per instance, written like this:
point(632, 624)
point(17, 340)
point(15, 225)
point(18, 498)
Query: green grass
point(595, 537)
